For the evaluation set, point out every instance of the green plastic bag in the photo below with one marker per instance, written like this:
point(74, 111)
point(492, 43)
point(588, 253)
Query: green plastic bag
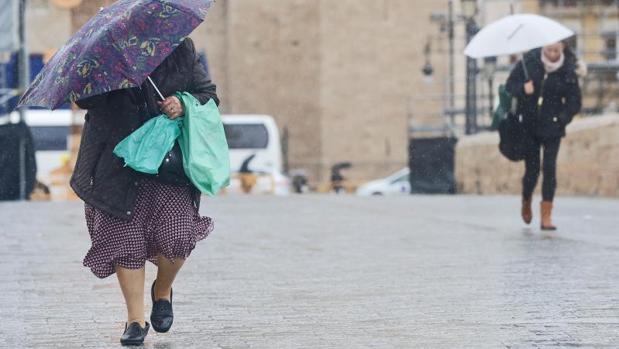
point(504, 107)
point(145, 148)
point(204, 145)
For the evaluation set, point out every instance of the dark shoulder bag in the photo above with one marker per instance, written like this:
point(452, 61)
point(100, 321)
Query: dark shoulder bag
point(171, 170)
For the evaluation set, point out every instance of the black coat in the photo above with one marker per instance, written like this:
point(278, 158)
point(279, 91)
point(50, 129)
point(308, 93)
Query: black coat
point(100, 178)
point(561, 95)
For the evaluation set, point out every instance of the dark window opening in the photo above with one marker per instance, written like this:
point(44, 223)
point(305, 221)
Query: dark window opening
point(610, 49)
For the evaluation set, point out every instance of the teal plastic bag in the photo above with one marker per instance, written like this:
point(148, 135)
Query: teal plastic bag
point(145, 148)
point(204, 145)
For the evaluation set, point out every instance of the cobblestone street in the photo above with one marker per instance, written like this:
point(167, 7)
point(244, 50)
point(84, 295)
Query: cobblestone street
point(333, 272)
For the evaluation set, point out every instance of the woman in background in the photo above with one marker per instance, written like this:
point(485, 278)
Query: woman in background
point(547, 103)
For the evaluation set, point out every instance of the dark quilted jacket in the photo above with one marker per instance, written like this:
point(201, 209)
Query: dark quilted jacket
point(561, 95)
point(99, 178)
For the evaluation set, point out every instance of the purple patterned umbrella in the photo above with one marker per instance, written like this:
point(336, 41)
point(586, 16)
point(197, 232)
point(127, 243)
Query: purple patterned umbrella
point(118, 48)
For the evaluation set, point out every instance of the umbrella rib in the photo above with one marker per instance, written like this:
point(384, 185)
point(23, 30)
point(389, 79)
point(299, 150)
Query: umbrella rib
point(511, 36)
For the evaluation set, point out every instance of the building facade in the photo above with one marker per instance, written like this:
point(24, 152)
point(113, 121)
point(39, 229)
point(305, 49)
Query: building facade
point(340, 76)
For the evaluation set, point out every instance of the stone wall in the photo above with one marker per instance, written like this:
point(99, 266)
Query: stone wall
point(588, 162)
point(47, 27)
point(264, 57)
point(339, 75)
point(371, 60)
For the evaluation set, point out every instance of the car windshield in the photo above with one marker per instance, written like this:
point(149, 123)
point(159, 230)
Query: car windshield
point(246, 136)
point(404, 178)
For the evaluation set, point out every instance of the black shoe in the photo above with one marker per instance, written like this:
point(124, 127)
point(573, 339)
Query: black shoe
point(161, 316)
point(134, 334)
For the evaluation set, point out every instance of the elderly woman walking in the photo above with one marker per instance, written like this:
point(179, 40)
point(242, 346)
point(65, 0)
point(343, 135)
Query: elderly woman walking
point(125, 66)
point(131, 217)
point(547, 103)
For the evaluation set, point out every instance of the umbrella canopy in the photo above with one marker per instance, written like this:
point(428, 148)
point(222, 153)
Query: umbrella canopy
point(340, 166)
point(516, 34)
point(116, 49)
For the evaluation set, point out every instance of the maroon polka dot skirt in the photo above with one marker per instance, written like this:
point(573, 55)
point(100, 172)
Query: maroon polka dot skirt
point(165, 222)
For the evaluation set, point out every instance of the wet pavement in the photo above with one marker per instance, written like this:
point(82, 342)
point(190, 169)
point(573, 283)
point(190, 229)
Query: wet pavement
point(333, 272)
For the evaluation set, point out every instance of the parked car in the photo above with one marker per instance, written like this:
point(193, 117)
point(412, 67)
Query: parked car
point(395, 184)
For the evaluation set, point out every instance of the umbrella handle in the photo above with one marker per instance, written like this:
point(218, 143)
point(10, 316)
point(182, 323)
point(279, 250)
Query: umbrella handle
point(156, 89)
point(524, 67)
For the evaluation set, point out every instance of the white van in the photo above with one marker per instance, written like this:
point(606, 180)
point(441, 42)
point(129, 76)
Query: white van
point(257, 136)
point(247, 135)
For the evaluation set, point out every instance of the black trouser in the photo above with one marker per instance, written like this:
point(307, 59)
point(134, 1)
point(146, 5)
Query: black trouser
point(532, 168)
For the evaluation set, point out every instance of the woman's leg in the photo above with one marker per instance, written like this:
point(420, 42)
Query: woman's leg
point(165, 276)
point(529, 181)
point(531, 172)
point(132, 285)
point(549, 183)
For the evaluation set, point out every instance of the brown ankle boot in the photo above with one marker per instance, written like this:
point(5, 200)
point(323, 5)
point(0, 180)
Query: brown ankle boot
point(546, 223)
point(526, 212)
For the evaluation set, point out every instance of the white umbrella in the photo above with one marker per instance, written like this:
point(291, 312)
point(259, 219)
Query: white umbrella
point(515, 34)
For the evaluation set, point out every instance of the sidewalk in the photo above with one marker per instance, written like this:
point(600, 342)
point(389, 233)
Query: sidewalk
point(333, 272)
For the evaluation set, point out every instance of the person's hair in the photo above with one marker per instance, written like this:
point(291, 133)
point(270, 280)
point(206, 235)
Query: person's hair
point(568, 51)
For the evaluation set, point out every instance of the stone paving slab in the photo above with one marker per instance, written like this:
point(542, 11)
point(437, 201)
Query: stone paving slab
point(333, 272)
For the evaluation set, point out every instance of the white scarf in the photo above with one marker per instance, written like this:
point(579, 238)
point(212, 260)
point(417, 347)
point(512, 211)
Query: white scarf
point(552, 67)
